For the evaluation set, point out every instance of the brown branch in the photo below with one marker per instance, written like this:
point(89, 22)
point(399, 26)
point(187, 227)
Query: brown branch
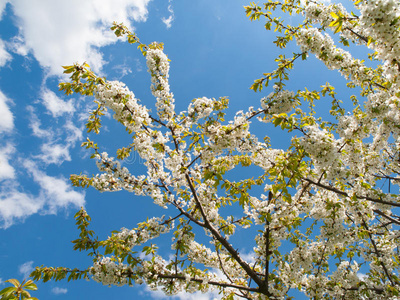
point(182, 211)
point(322, 257)
point(193, 161)
point(267, 246)
point(337, 191)
point(216, 283)
point(387, 177)
point(386, 216)
point(222, 266)
point(226, 244)
point(363, 38)
point(377, 252)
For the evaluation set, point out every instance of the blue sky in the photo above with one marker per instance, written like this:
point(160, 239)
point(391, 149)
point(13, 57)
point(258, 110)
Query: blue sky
point(214, 51)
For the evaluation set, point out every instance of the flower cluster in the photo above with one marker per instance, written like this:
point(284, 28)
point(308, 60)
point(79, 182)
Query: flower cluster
point(335, 58)
point(158, 67)
point(200, 254)
point(108, 272)
point(379, 21)
point(116, 96)
point(278, 103)
point(150, 229)
point(322, 147)
point(200, 108)
point(319, 13)
point(115, 177)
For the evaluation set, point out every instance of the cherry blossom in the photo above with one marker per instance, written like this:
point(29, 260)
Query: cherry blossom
point(326, 221)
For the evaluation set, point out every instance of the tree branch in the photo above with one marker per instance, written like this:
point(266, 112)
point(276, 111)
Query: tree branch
point(337, 191)
point(226, 244)
point(216, 283)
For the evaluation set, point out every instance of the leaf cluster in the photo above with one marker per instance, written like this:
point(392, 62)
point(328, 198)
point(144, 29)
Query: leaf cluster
point(19, 290)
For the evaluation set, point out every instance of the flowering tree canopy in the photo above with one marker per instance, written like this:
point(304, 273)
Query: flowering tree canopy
point(324, 213)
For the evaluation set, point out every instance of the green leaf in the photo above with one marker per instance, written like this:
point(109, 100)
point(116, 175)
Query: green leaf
point(14, 282)
point(339, 27)
point(25, 294)
point(7, 290)
point(30, 285)
point(334, 15)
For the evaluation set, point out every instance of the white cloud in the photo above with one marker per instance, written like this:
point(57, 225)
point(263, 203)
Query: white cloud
point(57, 291)
point(54, 153)
point(36, 130)
point(34, 124)
point(159, 294)
point(57, 191)
point(198, 296)
point(362, 276)
point(168, 21)
point(2, 7)
point(51, 134)
point(57, 140)
point(17, 45)
point(15, 205)
point(64, 32)
point(4, 55)
point(55, 105)
point(248, 257)
point(6, 170)
point(26, 269)
point(74, 133)
point(123, 70)
point(6, 117)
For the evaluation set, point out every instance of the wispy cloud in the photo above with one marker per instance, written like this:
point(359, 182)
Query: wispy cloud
point(35, 124)
point(6, 117)
point(56, 140)
point(55, 193)
point(74, 134)
point(57, 190)
point(122, 69)
point(55, 105)
point(6, 170)
point(2, 7)
point(16, 205)
point(18, 46)
point(58, 291)
point(26, 269)
point(362, 276)
point(63, 32)
point(168, 21)
point(54, 153)
point(4, 55)
point(248, 257)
